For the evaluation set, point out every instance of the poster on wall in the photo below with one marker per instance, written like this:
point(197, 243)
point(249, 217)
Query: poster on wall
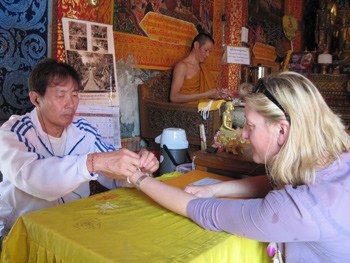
point(105, 120)
point(90, 50)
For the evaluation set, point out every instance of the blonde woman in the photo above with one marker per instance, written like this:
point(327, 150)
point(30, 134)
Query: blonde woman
point(303, 203)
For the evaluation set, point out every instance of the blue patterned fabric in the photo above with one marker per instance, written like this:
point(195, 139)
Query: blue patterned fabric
point(23, 43)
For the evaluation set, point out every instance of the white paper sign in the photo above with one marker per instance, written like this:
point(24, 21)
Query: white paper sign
point(237, 55)
point(105, 120)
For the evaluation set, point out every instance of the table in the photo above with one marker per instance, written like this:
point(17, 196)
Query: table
point(228, 164)
point(123, 225)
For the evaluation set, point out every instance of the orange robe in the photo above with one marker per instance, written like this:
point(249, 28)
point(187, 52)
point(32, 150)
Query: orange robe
point(200, 82)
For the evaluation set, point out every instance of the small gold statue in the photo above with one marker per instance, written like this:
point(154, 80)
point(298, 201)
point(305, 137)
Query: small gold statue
point(226, 129)
point(236, 146)
point(229, 137)
point(344, 55)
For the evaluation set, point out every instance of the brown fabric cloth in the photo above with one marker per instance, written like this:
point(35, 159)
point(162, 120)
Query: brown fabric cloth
point(96, 187)
point(200, 83)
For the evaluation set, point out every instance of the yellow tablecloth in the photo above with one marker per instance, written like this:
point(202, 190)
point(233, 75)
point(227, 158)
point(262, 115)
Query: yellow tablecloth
point(123, 225)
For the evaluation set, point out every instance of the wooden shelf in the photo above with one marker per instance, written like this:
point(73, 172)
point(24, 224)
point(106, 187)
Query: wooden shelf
point(334, 89)
point(227, 164)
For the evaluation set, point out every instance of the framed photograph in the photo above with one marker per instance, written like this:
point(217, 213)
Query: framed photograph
point(301, 62)
point(90, 50)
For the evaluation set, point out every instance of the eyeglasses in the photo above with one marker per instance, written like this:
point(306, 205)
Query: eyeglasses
point(261, 88)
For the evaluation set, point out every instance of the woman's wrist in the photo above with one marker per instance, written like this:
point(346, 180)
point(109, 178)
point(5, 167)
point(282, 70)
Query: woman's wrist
point(211, 190)
point(132, 179)
point(141, 178)
point(137, 178)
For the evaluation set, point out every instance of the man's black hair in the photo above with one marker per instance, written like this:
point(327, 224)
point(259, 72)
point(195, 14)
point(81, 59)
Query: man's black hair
point(51, 72)
point(202, 38)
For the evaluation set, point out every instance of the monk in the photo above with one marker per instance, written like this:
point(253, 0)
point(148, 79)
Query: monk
point(192, 82)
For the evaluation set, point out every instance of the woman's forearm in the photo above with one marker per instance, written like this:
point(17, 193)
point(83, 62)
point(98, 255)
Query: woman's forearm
point(168, 196)
point(250, 187)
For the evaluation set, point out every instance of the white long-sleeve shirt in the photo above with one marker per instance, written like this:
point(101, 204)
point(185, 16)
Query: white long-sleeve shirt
point(33, 178)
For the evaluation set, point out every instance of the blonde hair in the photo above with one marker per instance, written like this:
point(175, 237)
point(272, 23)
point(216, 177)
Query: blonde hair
point(316, 136)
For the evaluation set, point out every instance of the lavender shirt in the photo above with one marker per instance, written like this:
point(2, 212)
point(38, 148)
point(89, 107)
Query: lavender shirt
point(313, 222)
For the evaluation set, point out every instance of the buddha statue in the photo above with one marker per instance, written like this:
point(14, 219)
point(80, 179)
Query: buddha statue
point(325, 20)
point(227, 120)
point(227, 132)
point(228, 138)
point(344, 55)
point(344, 41)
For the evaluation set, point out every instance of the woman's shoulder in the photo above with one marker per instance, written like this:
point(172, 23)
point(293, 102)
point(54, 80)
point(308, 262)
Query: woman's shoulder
point(342, 164)
point(339, 169)
point(345, 157)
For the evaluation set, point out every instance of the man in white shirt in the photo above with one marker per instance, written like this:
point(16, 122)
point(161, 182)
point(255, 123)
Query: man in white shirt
point(49, 156)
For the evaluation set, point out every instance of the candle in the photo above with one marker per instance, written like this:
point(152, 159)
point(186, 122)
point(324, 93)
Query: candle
point(325, 59)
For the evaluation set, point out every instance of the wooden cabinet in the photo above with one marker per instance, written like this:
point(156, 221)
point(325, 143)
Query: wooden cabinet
point(335, 90)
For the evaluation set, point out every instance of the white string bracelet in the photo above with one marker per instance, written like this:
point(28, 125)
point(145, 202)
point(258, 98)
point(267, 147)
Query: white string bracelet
point(128, 178)
point(141, 178)
point(137, 183)
point(92, 163)
point(206, 110)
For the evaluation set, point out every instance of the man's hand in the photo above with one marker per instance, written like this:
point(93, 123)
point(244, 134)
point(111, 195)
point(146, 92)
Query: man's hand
point(226, 94)
point(212, 94)
point(219, 93)
point(149, 163)
point(117, 164)
point(121, 163)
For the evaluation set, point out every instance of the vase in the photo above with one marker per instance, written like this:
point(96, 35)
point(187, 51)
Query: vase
point(238, 117)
